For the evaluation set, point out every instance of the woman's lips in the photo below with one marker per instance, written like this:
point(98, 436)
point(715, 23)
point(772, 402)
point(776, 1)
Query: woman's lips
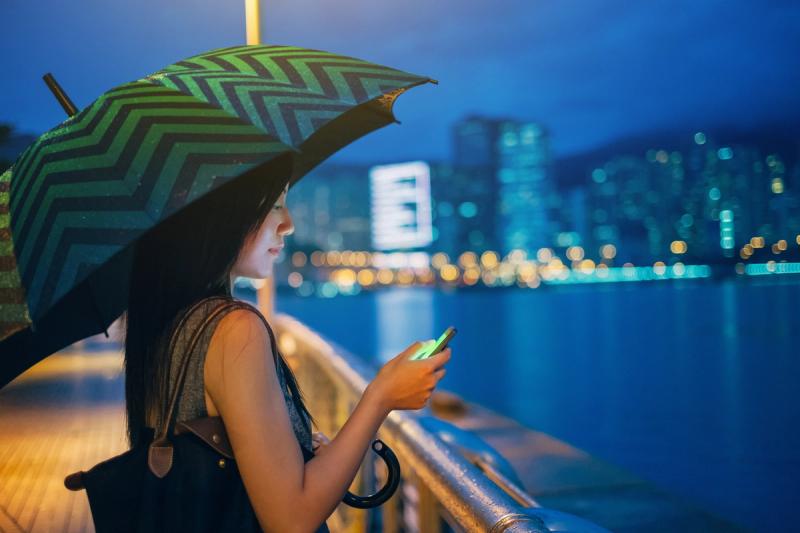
point(275, 251)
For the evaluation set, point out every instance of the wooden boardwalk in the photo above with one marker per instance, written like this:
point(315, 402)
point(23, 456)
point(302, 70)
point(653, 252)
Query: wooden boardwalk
point(63, 415)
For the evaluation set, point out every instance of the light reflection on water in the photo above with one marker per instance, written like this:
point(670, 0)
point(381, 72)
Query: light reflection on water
point(393, 337)
point(692, 385)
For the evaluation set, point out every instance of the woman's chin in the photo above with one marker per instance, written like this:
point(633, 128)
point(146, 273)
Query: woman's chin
point(262, 271)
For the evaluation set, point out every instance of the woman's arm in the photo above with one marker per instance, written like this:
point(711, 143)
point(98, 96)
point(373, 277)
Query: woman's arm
point(286, 494)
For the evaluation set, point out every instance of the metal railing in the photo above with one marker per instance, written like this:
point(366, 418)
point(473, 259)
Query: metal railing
point(441, 489)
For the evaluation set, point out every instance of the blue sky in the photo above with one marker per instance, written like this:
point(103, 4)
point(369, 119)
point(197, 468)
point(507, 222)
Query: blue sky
point(589, 71)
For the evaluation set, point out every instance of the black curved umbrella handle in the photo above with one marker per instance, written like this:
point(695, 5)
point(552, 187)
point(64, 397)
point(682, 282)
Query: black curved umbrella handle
point(393, 481)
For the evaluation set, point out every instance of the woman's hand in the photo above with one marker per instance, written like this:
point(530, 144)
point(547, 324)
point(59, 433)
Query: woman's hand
point(318, 442)
point(405, 384)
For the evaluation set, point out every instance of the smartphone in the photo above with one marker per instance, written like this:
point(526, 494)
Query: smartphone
point(435, 347)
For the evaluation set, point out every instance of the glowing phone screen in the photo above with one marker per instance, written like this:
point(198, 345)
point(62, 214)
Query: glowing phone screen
point(432, 348)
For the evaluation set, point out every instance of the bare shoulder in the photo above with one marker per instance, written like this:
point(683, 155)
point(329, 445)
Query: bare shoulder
point(239, 346)
point(240, 324)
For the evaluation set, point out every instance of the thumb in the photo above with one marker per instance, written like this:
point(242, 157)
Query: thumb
point(410, 350)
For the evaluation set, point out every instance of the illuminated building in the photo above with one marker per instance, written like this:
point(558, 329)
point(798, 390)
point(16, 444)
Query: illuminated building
point(526, 191)
point(330, 209)
point(510, 160)
point(475, 162)
point(400, 204)
point(462, 220)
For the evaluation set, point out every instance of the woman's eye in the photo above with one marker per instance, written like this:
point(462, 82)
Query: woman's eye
point(276, 206)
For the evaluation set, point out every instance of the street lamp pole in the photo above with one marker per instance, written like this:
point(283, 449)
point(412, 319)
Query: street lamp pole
point(265, 294)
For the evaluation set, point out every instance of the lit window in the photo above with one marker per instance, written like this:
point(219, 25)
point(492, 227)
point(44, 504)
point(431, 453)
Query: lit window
point(725, 153)
point(468, 209)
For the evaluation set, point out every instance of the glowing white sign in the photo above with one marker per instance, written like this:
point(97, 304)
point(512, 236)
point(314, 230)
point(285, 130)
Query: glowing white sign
point(401, 206)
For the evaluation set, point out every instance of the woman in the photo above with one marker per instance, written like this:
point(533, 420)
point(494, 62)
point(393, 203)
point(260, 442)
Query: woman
point(237, 231)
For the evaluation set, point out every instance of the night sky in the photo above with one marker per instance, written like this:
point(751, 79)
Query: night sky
point(589, 71)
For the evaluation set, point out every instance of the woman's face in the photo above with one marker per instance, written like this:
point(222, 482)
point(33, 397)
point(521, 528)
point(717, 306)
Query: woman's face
point(262, 247)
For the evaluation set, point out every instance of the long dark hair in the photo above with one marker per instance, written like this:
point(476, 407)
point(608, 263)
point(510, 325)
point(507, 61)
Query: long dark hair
point(186, 258)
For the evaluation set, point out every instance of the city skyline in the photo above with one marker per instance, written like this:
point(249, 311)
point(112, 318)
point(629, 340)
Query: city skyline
point(658, 205)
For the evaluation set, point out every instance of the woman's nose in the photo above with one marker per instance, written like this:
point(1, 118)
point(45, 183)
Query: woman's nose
point(286, 226)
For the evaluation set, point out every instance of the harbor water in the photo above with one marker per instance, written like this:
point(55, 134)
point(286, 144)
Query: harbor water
point(690, 385)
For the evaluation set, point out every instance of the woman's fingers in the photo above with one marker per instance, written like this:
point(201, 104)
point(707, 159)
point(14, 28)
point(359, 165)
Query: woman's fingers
point(318, 439)
point(437, 376)
point(440, 358)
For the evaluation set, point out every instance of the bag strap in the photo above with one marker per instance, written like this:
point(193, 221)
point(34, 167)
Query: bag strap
point(159, 454)
point(174, 337)
point(160, 450)
point(166, 423)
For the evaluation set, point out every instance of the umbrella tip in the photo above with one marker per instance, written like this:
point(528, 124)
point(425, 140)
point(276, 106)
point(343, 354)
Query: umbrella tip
point(61, 96)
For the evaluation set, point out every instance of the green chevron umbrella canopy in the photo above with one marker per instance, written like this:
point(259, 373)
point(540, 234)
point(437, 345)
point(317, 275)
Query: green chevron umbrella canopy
point(77, 199)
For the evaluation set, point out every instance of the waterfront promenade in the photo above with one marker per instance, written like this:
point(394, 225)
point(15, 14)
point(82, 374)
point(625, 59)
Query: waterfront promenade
point(67, 414)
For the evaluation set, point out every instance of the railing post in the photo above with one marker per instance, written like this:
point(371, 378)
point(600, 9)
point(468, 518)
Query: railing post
point(389, 511)
point(427, 509)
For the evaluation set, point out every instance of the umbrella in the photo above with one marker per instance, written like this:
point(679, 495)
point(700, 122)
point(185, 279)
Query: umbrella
point(76, 200)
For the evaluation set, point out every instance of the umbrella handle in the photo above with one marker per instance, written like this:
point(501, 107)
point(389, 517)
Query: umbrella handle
point(392, 482)
point(60, 95)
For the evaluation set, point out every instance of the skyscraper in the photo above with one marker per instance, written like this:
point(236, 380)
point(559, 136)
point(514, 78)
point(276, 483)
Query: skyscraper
point(331, 208)
point(459, 210)
point(525, 187)
point(474, 189)
point(508, 165)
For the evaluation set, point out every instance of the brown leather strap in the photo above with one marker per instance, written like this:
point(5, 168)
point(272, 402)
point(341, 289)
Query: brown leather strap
point(166, 423)
point(159, 457)
point(176, 330)
point(159, 453)
point(211, 430)
point(185, 316)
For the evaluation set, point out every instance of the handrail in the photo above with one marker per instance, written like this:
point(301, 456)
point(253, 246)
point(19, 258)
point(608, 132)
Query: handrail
point(476, 497)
